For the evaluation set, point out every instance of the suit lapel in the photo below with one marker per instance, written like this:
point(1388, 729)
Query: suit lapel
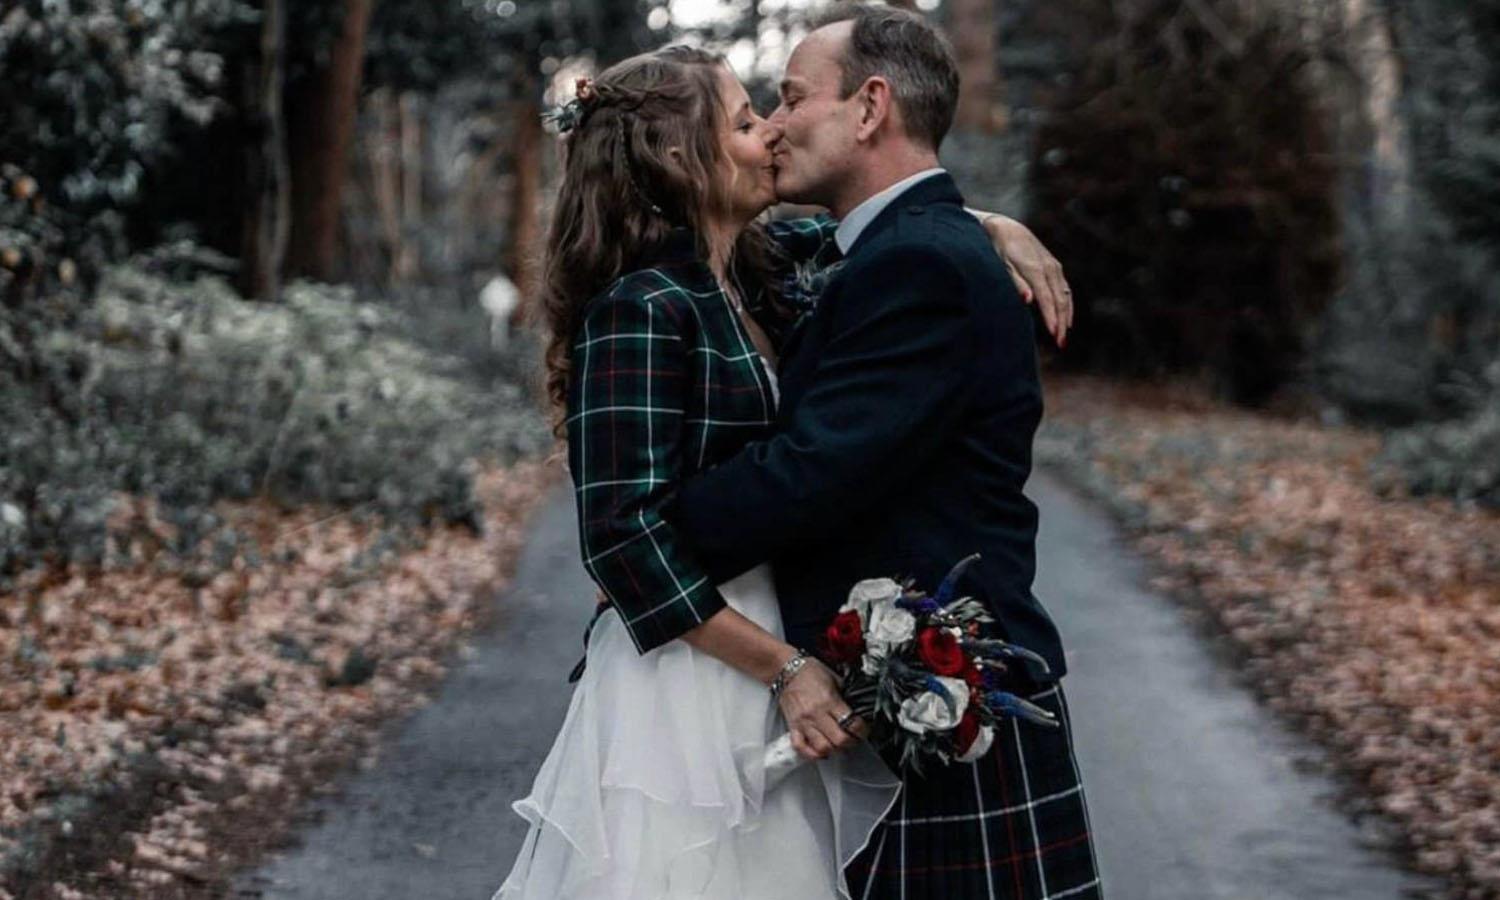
point(939, 188)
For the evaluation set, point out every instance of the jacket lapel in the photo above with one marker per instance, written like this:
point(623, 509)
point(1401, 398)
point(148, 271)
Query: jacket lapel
point(939, 188)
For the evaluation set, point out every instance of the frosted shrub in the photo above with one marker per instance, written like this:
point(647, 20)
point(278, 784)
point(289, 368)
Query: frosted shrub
point(185, 393)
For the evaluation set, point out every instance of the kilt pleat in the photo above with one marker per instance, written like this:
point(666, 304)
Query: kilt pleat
point(1011, 826)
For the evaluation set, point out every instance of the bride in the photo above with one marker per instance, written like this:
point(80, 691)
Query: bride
point(666, 299)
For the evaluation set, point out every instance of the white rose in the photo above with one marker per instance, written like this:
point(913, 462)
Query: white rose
point(868, 593)
point(928, 711)
point(981, 744)
point(889, 626)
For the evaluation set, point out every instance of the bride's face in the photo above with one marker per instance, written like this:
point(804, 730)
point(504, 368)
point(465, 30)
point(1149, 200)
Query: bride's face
point(747, 138)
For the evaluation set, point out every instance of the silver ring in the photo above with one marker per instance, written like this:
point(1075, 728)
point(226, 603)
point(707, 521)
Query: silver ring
point(846, 718)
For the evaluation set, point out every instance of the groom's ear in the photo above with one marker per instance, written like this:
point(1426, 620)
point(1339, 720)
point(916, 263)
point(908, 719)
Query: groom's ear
point(874, 106)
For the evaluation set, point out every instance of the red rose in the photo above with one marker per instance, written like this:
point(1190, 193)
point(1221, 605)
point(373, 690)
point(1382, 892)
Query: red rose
point(973, 677)
point(844, 640)
point(966, 731)
point(939, 650)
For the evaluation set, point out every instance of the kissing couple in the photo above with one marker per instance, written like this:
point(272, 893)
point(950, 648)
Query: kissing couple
point(759, 416)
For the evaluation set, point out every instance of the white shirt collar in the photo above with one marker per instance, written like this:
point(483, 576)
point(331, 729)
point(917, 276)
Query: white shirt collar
point(861, 216)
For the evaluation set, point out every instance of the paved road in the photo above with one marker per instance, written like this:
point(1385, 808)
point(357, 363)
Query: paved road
point(1202, 798)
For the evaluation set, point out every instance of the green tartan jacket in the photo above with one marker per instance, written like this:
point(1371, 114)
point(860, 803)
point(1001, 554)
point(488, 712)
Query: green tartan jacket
point(665, 383)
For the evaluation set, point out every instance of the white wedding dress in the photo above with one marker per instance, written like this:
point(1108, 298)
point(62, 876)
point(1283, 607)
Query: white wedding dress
point(655, 789)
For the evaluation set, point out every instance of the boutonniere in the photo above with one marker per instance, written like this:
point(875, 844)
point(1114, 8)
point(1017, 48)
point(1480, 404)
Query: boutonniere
point(809, 280)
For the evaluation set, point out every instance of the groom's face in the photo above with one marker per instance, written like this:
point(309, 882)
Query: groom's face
point(818, 145)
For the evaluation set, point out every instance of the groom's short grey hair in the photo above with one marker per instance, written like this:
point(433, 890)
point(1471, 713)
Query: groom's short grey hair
point(909, 53)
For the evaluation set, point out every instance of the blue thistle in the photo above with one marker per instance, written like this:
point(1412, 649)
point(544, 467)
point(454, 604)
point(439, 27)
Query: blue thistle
point(918, 604)
point(937, 687)
point(949, 587)
point(1007, 704)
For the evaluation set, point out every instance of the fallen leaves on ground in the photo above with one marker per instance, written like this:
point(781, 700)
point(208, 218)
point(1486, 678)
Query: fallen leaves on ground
point(1372, 621)
point(229, 690)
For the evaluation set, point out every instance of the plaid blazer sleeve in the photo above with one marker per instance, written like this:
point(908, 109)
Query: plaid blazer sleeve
point(803, 240)
point(625, 430)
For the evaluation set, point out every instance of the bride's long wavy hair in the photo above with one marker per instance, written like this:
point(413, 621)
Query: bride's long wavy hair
point(623, 190)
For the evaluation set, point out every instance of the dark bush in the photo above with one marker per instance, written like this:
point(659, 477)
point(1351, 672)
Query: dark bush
point(93, 90)
point(1185, 179)
point(1459, 458)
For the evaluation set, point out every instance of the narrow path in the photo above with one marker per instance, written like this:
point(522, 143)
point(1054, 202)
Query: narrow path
point(432, 820)
point(1196, 792)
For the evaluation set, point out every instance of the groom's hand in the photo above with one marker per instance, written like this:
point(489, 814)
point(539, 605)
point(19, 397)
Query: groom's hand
point(812, 705)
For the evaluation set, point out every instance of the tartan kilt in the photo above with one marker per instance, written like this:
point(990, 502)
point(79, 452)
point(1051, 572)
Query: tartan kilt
point(1011, 826)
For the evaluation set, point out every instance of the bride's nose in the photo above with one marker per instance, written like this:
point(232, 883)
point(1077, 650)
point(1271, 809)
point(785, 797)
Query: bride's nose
point(771, 133)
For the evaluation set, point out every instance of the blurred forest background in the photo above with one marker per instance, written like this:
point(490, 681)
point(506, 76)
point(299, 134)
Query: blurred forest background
point(281, 252)
point(1293, 201)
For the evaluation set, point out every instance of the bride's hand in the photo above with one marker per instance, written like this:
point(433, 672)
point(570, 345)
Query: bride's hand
point(812, 705)
point(1037, 273)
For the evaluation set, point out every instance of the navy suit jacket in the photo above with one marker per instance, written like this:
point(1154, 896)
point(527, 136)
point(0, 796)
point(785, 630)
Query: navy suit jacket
point(909, 399)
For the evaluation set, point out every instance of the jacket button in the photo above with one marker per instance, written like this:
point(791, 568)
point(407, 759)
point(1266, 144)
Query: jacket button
point(916, 210)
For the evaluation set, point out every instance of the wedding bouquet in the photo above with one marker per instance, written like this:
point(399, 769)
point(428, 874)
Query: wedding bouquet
point(919, 671)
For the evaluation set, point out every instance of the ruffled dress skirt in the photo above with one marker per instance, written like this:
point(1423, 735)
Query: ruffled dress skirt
point(655, 789)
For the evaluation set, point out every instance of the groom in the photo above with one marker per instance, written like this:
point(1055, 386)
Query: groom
point(909, 401)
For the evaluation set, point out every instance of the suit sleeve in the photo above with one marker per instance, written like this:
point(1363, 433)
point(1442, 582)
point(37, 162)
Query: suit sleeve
point(625, 427)
point(889, 388)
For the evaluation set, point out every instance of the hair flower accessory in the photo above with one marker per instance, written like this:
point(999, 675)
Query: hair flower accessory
point(568, 116)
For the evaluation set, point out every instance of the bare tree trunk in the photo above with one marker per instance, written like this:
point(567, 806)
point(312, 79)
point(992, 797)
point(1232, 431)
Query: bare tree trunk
point(322, 128)
point(1379, 67)
point(971, 24)
point(408, 261)
point(267, 212)
point(523, 241)
point(384, 178)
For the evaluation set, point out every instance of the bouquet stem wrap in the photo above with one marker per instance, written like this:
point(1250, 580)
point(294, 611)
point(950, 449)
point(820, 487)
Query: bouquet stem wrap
point(781, 760)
